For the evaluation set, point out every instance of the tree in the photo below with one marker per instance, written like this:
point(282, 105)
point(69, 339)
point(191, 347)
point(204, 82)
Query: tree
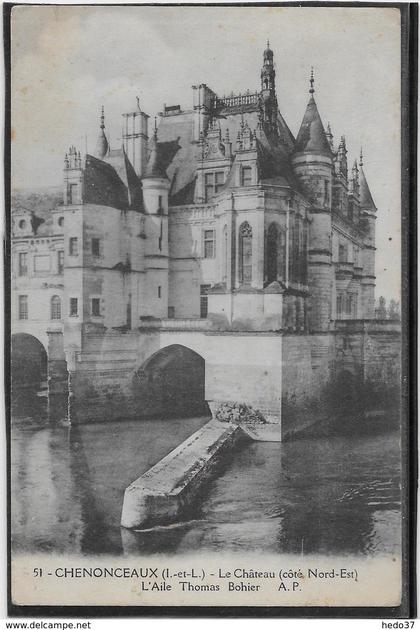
point(381, 309)
point(394, 310)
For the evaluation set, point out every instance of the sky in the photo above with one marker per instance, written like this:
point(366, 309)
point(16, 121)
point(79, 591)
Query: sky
point(67, 61)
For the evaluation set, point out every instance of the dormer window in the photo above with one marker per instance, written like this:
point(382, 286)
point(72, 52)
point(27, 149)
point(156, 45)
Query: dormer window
point(246, 176)
point(22, 224)
point(213, 183)
point(72, 194)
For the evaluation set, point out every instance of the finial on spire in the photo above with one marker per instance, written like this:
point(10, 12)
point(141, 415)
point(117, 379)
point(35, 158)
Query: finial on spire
point(312, 81)
point(268, 43)
point(361, 157)
point(138, 103)
point(102, 125)
point(155, 129)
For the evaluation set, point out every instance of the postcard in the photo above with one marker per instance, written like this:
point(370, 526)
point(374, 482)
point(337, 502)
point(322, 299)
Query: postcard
point(207, 397)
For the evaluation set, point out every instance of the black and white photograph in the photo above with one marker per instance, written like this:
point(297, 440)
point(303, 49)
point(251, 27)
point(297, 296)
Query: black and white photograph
point(205, 306)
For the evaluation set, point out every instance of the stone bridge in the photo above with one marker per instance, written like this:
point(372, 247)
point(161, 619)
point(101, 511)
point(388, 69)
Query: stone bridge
point(178, 367)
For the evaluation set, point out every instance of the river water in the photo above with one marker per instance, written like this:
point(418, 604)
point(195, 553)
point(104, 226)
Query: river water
point(328, 495)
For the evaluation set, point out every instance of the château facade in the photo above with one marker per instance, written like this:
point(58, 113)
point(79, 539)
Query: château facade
point(215, 218)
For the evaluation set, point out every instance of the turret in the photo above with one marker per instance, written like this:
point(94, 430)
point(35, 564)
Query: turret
point(156, 185)
point(354, 182)
point(135, 138)
point(353, 210)
point(368, 218)
point(340, 184)
point(269, 105)
point(268, 74)
point(312, 163)
point(102, 147)
point(341, 162)
point(73, 178)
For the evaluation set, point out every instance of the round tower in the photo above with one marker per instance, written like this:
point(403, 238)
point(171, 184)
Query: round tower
point(313, 163)
point(156, 185)
point(368, 220)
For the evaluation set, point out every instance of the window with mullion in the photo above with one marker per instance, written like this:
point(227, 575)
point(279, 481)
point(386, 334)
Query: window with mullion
point(219, 181)
point(208, 244)
point(208, 186)
point(23, 307)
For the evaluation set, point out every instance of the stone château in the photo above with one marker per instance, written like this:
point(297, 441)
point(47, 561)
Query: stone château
point(212, 256)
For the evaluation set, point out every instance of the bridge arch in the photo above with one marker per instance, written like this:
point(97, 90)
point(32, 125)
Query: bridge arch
point(171, 382)
point(29, 362)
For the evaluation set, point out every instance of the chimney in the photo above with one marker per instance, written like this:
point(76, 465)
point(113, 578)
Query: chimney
point(135, 138)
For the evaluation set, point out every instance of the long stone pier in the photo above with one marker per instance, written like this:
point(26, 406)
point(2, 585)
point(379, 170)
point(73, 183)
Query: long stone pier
point(167, 489)
point(162, 493)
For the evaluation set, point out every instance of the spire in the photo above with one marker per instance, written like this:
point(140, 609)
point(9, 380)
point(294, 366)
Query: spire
point(268, 73)
point(341, 156)
point(312, 137)
point(268, 54)
point(312, 81)
point(102, 147)
point(268, 100)
point(154, 168)
point(366, 200)
point(361, 158)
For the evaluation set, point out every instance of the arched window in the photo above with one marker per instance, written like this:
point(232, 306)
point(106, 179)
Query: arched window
point(245, 253)
point(55, 307)
point(272, 253)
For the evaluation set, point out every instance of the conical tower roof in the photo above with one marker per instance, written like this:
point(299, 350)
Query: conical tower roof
point(312, 137)
point(102, 146)
point(365, 197)
point(154, 168)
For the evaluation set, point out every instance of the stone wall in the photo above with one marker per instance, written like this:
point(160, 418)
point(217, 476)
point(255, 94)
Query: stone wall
point(306, 370)
point(369, 353)
point(100, 377)
point(290, 378)
point(113, 376)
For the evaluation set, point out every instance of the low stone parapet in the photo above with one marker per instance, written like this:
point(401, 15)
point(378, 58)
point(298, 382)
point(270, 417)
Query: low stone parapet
point(162, 493)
